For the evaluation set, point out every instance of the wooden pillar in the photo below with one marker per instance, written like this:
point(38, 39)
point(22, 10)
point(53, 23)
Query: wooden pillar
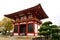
point(18, 28)
point(34, 27)
point(17, 19)
point(26, 28)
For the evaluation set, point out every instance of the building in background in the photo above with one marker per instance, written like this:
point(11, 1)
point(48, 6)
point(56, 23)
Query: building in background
point(27, 21)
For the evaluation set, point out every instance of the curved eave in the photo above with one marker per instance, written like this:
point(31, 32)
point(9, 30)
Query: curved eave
point(37, 8)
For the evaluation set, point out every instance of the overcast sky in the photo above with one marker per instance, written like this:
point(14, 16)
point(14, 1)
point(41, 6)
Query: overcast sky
point(51, 8)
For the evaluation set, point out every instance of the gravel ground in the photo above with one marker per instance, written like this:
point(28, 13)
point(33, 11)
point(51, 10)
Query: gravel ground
point(14, 38)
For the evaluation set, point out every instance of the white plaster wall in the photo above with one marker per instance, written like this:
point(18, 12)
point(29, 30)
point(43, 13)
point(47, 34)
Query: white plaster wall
point(15, 33)
point(38, 26)
point(30, 34)
point(23, 23)
point(30, 22)
point(16, 23)
point(36, 29)
point(36, 34)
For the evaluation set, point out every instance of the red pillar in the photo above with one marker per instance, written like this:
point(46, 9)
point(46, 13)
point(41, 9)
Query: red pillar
point(26, 28)
point(34, 27)
point(18, 28)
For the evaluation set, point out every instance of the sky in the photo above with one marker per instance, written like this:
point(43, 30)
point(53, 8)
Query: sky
point(51, 8)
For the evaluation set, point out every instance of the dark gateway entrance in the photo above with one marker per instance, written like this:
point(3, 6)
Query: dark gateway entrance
point(23, 30)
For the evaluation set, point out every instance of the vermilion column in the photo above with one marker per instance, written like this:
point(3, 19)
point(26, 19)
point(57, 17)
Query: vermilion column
point(18, 28)
point(34, 27)
point(26, 28)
